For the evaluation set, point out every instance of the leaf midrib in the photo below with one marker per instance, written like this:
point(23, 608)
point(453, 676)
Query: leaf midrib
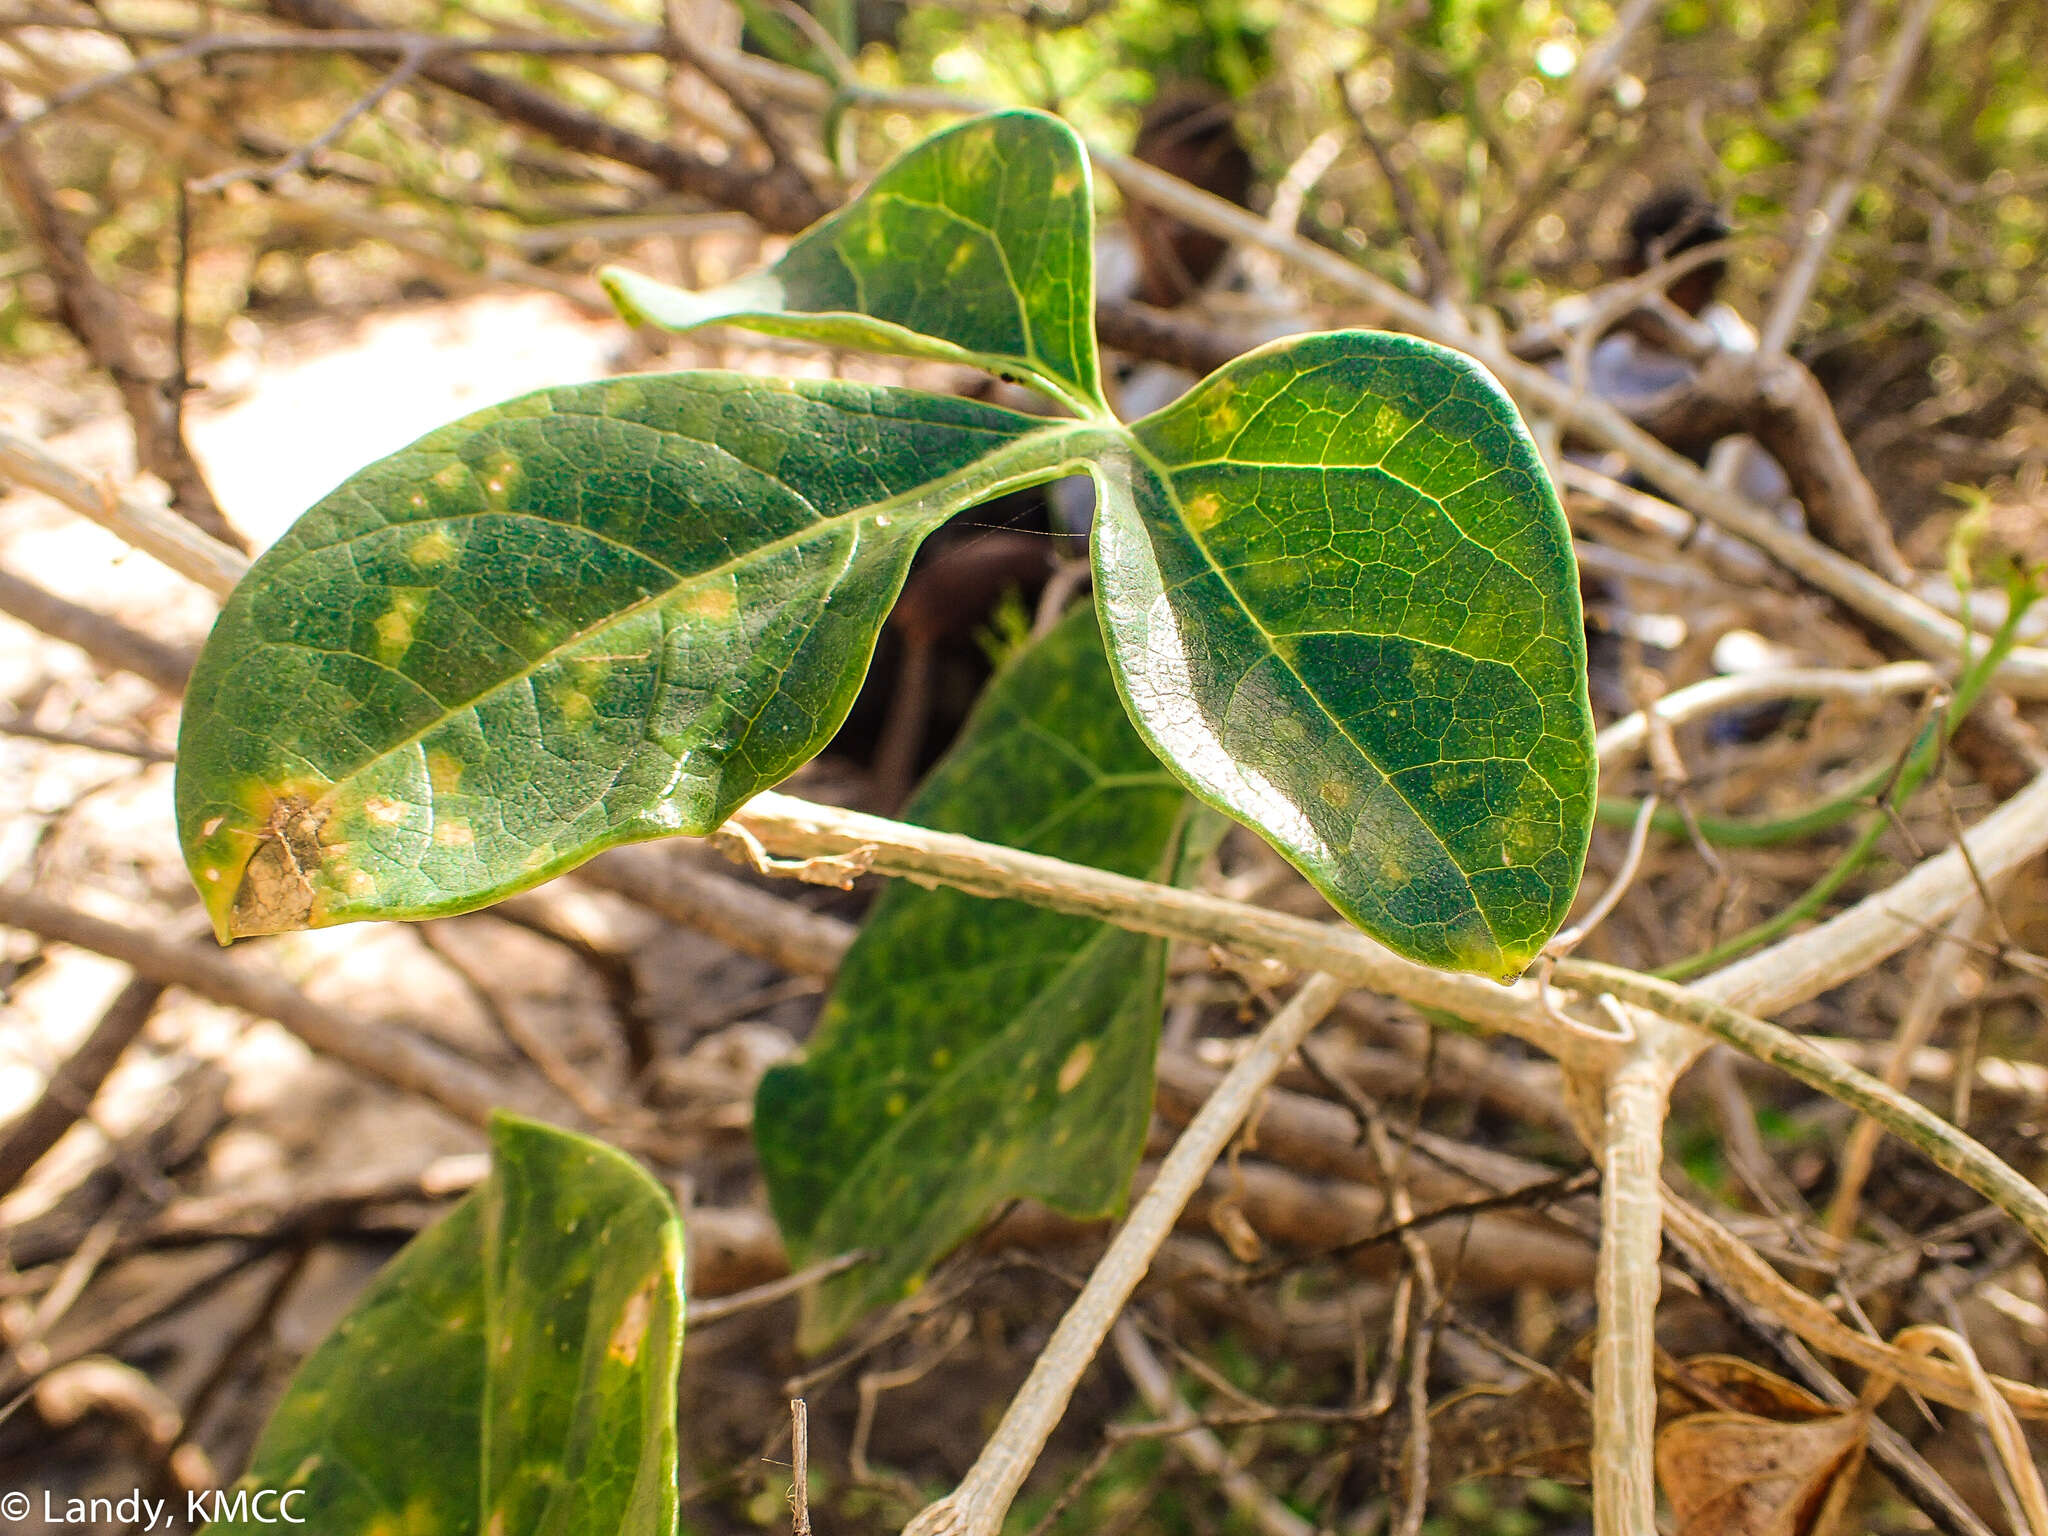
point(932, 490)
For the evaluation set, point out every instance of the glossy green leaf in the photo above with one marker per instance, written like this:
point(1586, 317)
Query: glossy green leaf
point(1341, 602)
point(584, 617)
point(1339, 593)
point(976, 1051)
point(513, 1370)
point(976, 246)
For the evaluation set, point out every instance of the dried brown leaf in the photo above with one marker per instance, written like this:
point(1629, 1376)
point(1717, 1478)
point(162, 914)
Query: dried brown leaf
point(1735, 1385)
point(1738, 1474)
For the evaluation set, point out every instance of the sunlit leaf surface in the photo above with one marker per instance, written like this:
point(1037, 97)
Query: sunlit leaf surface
point(584, 617)
point(976, 246)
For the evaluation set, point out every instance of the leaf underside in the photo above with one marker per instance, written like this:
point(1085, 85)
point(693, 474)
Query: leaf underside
point(1341, 601)
point(978, 1051)
point(584, 617)
point(546, 1306)
point(976, 246)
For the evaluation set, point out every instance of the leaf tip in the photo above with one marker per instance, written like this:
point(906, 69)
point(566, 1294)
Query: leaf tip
point(219, 872)
point(619, 285)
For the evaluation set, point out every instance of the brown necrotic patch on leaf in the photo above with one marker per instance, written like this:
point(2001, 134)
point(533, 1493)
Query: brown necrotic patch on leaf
point(278, 893)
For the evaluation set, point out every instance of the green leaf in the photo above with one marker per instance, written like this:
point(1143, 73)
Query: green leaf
point(1339, 593)
point(513, 1370)
point(584, 617)
point(1341, 601)
point(976, 246)
point(976, 1051)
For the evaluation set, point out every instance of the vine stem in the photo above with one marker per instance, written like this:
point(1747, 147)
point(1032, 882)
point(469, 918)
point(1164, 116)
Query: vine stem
point(1670, 1021)
point(1526, 1009)
point(772, 830)
point(1952, 1150)
point(1635, 1095)
point(978, 1505)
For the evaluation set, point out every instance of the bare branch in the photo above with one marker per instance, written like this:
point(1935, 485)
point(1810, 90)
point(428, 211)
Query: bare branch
point(72, 1085)
point(94, 313)
point(779, 199)
point(1826, 219)
point(304, 157)
point(376, 1050)
point(106, 640)
point(156, 532)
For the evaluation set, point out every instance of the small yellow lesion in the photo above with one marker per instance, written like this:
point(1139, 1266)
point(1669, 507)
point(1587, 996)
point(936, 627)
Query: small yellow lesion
point(1223, 414)
point(1076, 1066)
point(1473, 948)
point(453, 832)
point(430, 549)
point(394, 627)
point(443, 772)
point(714, 601)
point(1204, 511)
point(1066, 184)
point(384, 811)
point(1336, 793)
point(624, 1345)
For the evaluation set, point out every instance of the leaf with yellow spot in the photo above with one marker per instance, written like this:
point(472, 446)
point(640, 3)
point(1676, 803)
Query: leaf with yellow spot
point(1338, 591)
point(406, 1423)
point(1341, 602)
point(976, 1051)
point(975, 247)
point(585, 617)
